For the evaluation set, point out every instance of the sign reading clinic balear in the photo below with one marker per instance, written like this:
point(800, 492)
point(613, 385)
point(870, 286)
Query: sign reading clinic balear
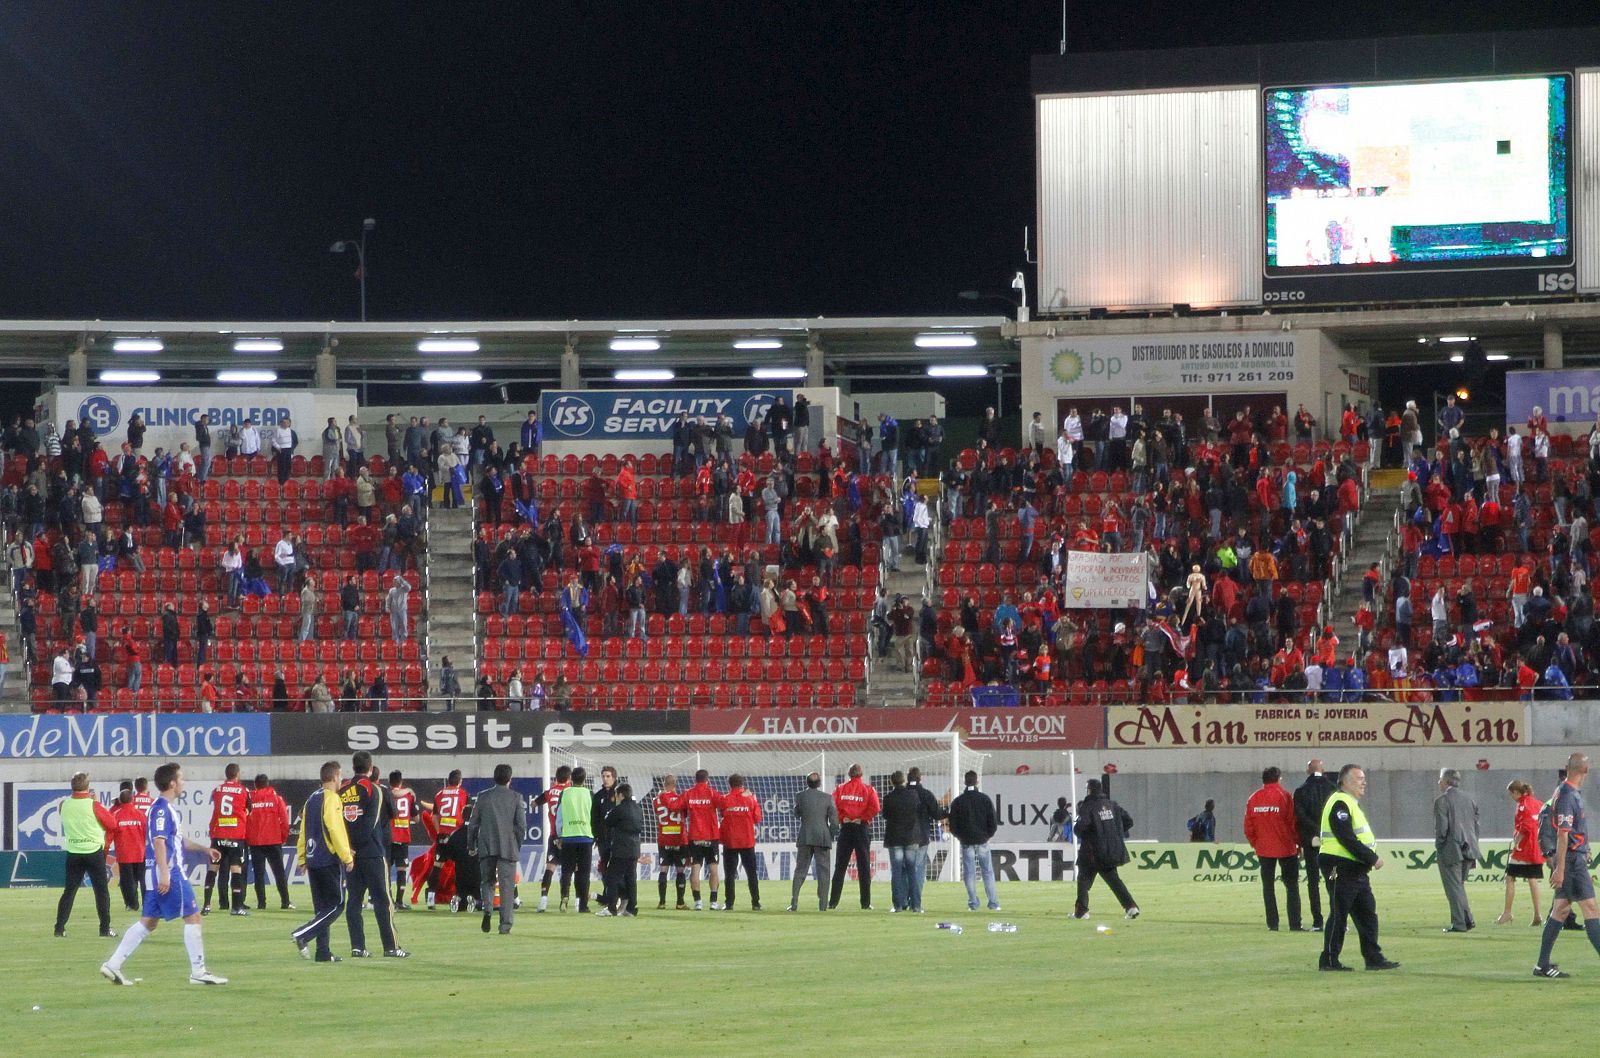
point(620, 414)
point(170, 413)
point(1127, 364)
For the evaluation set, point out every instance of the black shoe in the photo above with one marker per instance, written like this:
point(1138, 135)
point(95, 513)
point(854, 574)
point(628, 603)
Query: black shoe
point(1455, 929)
point(1550, 971)
point(401, 953)
point(1302, 929)
point(261, 907)
point(205, 911)
point(486, 917)
point(108, 932)
point(328, 958)
point(61, 931)
point(1272, 929)
point(1335, 966)
point(360, 953)
point(1385, 964)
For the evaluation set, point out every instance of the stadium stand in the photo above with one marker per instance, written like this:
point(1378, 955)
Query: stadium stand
point(159, 577)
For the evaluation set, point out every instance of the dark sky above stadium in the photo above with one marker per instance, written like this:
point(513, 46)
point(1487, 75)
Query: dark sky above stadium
point(544, 160)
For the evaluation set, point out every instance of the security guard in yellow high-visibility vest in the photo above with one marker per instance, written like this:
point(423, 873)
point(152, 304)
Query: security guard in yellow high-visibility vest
point(1346, 856)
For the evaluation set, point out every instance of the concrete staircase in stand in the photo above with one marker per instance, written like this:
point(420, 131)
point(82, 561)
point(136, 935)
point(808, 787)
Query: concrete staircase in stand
point(887, 683)
point(450, 617)
point(14, 699)
point(1370, 544)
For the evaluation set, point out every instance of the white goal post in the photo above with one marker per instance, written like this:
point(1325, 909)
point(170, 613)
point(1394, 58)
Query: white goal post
point(775, 767)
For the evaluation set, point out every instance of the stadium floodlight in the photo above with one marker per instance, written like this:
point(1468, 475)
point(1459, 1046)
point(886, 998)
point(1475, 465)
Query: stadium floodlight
point(1496, 357)
point(452, 377)
point(957, 371)
point(758, 343)
point(448, 345)
point(258, 345)
point(644, 374)
point(635, 345)
point(122, 378)
point(1454, 339)
point(777, 373)
point(945, 341)
point(257, 377)
point(138, 345)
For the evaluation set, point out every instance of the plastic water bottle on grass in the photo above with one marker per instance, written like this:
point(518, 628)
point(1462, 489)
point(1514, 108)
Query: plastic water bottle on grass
point(953, 927)
point(1002, 927)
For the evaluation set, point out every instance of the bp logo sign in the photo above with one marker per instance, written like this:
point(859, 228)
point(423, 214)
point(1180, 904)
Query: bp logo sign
point(571, 417)
point(1066, 367)
point(101, 413)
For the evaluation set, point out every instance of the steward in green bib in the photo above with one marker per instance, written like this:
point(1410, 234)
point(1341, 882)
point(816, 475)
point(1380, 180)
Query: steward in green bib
point(1347, 854)
point(575, 827)
point(85, 827)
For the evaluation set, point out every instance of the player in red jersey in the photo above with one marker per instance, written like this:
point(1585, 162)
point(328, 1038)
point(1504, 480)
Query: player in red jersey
point(450, 809)
point(230, 807)
point(267, 831)
point(700, 804)
point(127, 843)
point(142, 797)
point(672, 844)
point(406, 808)
point(552, 845)
point(741, 812)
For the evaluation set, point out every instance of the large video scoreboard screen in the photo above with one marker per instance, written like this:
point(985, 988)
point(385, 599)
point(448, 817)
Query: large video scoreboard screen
point(1389, 178)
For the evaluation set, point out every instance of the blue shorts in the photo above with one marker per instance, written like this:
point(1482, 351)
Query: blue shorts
point(1576, 885)
point(177, 902)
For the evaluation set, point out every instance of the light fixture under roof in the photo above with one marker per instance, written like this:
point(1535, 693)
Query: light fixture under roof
point(758, 343)
point(644, 374)
point(1456, 358)
point(138, 345)
point(248, 376)
point(777, 373)
point(258, 345)
point(450, 376)
point(1495, 358)
point(945, 341)
point(122, 378)
point(1454, 339)
point(635, 345)
point(448, 345)
point(957, 371)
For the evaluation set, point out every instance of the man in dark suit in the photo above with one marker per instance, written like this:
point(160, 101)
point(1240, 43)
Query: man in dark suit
point(1309, 799)
point(1455, 839)
point(819, 829)
point(494, 836)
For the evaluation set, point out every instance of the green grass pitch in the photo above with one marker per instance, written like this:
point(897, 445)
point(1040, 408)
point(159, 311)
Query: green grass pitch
point(1197, 974)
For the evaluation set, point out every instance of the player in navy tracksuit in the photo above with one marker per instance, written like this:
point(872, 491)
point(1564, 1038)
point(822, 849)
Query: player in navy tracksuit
point(366, 821)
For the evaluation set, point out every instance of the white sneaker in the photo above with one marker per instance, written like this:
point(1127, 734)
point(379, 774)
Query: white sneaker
point(206, 977)
point(716, 907)
point(894, 911)
point(698, 906)
point(1133, 913)
point(604, 912)
point(113, 975)
point(544, 905)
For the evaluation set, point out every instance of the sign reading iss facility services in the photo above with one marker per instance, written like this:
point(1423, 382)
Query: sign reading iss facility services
point(625, 414)
point(1318, 724)
point(1114, 365)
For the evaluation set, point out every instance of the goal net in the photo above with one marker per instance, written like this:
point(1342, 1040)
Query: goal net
point(775, 769)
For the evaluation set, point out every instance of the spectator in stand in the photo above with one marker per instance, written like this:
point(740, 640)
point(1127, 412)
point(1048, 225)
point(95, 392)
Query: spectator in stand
point(349, 606)
point(169, 634)
point(309, 600)
point(394, 604)
point(202, 441)
point(1270, 828)
point(283, 446)
point(509, 573)
point(332, 449)
point(133, 659)
point(283, 558)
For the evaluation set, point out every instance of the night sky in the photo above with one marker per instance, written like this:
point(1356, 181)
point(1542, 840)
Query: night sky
point(555, 160)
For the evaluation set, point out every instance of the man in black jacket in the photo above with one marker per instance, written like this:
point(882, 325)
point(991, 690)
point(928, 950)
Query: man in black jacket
point(973, 823)
point(604, 798)
point(1308, 801)
point(1102, 828)
point(901, 812)
point(623, 826)
point(929, 811)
